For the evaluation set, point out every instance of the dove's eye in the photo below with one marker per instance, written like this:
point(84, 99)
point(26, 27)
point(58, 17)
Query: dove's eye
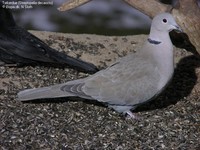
point(164, 20)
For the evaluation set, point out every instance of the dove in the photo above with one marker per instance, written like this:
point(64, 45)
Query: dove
point(129, 82)
point(18, 47)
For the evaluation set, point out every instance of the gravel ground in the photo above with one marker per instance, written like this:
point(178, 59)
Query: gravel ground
point(171, 121)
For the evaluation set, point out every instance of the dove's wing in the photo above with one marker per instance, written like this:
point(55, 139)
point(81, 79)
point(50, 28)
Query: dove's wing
point(134, 84)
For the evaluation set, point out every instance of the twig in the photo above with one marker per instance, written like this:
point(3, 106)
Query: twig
point(150, 7)
point(72, 4)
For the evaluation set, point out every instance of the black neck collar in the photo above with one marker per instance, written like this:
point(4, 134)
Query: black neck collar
point(153, 41)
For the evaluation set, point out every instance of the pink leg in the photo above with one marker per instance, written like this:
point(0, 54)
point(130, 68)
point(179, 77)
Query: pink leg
point(132, 115)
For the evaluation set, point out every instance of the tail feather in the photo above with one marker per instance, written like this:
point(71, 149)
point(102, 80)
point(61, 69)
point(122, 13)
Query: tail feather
point(68, 89)
point(42, 93)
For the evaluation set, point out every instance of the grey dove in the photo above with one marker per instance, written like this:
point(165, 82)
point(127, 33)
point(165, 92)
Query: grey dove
point(130, 81)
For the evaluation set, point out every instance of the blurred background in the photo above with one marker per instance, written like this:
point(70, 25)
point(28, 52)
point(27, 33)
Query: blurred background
point(104, 17)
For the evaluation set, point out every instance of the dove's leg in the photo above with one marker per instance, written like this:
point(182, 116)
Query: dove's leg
point(125, 110)
point(131, 115)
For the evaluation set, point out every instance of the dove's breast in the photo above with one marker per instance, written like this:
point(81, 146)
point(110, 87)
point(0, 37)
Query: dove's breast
point(165, 64)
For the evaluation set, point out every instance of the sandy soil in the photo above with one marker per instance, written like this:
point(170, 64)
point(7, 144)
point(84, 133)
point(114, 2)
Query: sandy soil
point(171, 121)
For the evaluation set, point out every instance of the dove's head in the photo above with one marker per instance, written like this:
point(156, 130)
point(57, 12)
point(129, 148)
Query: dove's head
point(164, 22)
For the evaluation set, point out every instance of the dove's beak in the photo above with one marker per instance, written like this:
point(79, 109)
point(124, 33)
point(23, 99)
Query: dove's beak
point(178, 29)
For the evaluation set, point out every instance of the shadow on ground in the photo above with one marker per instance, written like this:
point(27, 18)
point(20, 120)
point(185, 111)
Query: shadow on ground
point(182, 83)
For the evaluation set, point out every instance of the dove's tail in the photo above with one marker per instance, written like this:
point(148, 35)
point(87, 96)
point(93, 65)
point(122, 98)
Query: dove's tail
point(71, 88)
point(42, 93)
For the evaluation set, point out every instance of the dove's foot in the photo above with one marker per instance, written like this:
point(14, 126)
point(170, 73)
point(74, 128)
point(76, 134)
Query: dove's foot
point(131, 115)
